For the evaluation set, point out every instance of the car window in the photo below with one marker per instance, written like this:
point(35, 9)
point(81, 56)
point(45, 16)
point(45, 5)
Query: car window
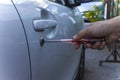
point(68, 3)
point(63, 1)
point(58, 1)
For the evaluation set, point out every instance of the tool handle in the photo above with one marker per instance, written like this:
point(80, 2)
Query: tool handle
point(91, 40)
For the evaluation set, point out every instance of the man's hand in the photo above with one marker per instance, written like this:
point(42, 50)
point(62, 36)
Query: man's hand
point(98, 30)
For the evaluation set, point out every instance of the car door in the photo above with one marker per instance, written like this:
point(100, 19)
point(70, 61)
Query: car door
point(14, 54)
point(52, 61)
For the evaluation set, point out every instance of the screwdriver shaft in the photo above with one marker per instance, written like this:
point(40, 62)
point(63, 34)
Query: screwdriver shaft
point(71, 40)
point(60, 40)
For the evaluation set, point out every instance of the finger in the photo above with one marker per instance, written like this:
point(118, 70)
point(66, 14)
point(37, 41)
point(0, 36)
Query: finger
point(81, 34)
point(103, 44)
point(96, 45)
point(76, 45)
point(87, 45)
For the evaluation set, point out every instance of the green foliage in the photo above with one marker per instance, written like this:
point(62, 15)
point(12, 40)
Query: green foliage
point(95, 15)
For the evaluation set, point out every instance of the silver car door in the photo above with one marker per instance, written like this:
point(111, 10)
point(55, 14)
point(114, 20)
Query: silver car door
point(14, 57)
point(55, 61)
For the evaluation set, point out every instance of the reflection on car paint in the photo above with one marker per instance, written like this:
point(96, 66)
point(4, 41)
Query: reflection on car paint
point(42, 3)
point(68, 16)
point(53, 9)
point(72, 19)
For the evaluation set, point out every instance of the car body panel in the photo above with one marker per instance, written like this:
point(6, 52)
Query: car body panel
point(55, 61)
point(14, 59)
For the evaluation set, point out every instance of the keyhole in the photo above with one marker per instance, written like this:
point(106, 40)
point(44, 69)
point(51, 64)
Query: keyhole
point(42, 41)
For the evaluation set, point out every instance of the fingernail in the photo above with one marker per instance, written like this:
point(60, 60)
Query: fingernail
point(75, 36)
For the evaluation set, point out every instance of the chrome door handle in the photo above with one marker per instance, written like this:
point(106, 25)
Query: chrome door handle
point(41, 25)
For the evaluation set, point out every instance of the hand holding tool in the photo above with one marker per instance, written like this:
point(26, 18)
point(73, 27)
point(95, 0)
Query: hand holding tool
point(42, 41)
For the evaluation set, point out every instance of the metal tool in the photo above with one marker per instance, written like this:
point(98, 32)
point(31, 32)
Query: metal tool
point(42, 41)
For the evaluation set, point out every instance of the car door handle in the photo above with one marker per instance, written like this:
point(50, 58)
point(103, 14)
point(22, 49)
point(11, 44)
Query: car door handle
point(41, 25)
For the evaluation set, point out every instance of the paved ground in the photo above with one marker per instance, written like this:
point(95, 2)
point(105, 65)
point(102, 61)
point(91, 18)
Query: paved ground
point(108, 71)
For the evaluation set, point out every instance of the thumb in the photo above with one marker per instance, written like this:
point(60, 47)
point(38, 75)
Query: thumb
point(81, 34)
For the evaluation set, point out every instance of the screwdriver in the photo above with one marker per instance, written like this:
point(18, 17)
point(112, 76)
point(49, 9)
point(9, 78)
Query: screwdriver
point(42, 41)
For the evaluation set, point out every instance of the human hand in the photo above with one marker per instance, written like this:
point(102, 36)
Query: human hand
point(97, 30)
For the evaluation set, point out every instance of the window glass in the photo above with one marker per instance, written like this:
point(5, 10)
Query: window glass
point(68, 3)
point(52, 0)
point(58, 1)
point(86, 1)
